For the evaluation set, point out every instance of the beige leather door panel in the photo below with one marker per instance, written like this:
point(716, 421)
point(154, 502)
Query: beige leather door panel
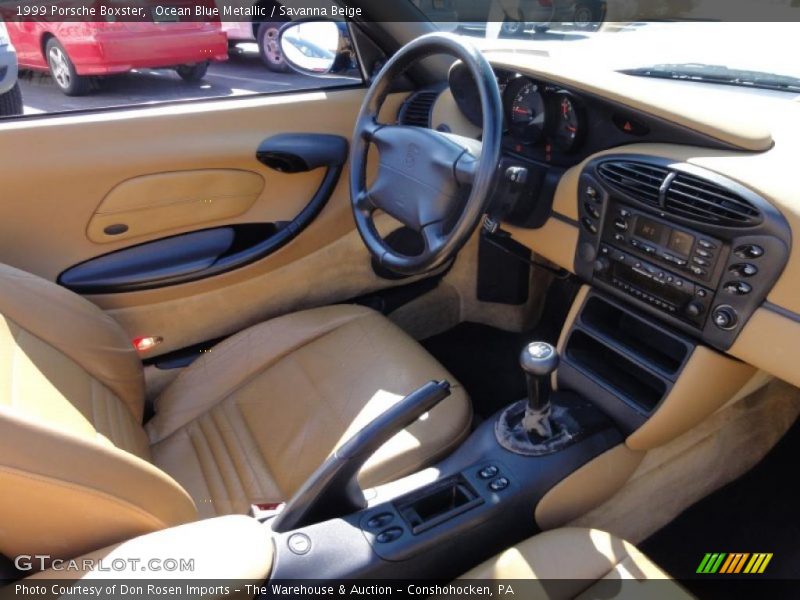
point(170, 170)
point(162, 202)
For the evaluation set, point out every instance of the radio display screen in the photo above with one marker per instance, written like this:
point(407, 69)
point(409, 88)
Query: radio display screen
point(680, 242)
point(649, 230)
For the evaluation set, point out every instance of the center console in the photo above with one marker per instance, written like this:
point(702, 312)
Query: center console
point(696, 249)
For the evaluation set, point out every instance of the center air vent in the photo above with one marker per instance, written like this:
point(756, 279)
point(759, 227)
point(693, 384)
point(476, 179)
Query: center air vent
point(417, 110)
point(700, 200)
point(640, 180)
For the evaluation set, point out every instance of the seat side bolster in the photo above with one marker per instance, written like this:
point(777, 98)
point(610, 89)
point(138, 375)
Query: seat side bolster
point(72, 493)
point(78, 329)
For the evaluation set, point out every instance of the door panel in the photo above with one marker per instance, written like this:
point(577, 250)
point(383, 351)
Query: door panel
point(152, 204)
point(60, 173)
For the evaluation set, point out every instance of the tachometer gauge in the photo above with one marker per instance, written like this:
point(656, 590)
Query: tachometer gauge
point(567, 122)
point(526, 111)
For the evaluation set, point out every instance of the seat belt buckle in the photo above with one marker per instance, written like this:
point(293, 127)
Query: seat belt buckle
point(263, 511)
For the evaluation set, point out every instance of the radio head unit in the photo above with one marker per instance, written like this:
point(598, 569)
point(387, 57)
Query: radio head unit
point(697, 249)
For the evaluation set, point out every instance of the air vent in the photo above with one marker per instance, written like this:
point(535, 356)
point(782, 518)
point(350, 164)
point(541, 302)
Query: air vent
point(641, 181)
point(416, 111)
point(694, 198)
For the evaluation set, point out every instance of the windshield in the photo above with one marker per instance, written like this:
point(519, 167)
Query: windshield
point(755, 54)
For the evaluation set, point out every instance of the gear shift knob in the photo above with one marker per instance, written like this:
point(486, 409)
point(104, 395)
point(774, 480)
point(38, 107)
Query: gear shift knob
point(538, 359)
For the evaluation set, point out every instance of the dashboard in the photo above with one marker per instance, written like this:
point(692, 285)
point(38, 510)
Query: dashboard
point(737, 144)
point(559, 126)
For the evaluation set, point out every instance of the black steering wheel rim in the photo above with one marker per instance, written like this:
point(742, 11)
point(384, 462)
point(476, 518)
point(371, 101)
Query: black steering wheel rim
point(422, 171)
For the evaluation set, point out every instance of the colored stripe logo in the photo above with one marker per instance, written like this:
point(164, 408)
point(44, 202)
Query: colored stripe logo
point(734, 563)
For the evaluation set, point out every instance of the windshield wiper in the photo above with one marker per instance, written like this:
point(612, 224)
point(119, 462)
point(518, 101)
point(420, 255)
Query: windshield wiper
point(719, 74)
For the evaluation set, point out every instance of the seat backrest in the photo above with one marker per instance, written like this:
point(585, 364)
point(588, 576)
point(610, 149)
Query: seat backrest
point(74, 458)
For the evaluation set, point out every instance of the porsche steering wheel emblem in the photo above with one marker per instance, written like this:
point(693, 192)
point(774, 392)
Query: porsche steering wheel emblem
point(412, 151)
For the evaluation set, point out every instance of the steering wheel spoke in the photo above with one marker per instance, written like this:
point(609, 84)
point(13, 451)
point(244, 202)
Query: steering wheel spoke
point(434, 237)
point(363, 203)
point(466, 168)
point(368, 127)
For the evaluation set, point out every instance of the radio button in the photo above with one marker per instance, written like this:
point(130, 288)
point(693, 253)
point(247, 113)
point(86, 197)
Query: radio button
point(694, 309)
point(706, 244)
point(700, 261)
point(619, 237)
point(698, 271)
point(621, 224)
point(743, 270)
point(589, 226)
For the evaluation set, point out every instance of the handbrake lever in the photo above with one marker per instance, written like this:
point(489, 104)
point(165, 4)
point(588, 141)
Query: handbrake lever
point(333, 489)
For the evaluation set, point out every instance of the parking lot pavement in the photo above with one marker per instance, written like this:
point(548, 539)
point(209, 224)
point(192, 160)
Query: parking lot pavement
point(242, 74)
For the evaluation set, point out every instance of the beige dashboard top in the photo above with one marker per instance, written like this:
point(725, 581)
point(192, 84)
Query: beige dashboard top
point(765, 127)
point(716, 114)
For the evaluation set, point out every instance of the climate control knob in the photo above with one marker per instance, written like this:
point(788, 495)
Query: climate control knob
point(694, 309)
point(725, 317)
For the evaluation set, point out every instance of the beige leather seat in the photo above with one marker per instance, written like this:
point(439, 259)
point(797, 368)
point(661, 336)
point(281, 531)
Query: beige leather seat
point(246, 423)
point(579, 563)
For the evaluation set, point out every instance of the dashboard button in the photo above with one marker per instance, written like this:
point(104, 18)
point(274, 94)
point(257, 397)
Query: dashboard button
point(724, 317)
point(743, 270)
point(703, 253)
point(498, 484)
point(488, 472)
point(706, 244)
point(621, 224)
point(380, 520)
point(589, 226)
point(389, 535)
point(591, 210)
point(630, 126)
point(700, 261)
point(749, 251)
point(740, 288)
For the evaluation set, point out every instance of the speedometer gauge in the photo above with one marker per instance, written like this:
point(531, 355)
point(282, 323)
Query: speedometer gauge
point(526, 111)
point(567, 122)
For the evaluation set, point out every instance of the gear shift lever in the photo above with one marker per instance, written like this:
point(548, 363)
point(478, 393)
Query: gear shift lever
point(538, 360)
point(546, 421)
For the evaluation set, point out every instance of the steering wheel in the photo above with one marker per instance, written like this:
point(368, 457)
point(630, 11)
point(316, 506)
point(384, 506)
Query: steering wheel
point(436, 183)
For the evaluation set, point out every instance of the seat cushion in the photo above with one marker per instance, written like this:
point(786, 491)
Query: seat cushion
point(251, 420)
point(579, 563)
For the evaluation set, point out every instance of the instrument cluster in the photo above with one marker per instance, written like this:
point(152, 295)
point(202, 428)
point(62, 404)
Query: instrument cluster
point(540, 119)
